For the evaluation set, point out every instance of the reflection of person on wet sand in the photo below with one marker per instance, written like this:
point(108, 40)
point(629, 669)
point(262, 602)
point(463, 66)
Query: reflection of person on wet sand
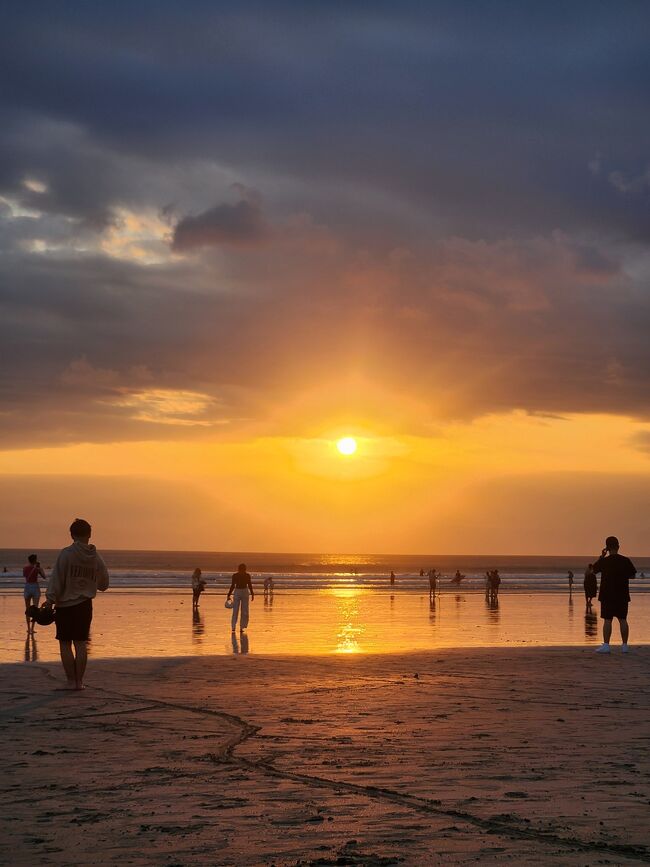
point(591, 623)
point(236, 648)
point(31, 653)
point(198, 586)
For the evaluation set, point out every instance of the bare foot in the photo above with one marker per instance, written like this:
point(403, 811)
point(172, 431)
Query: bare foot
point(79, 687)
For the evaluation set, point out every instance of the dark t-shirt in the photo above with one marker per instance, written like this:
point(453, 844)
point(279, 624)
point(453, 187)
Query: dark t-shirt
point(616, 571)
point(240, 581)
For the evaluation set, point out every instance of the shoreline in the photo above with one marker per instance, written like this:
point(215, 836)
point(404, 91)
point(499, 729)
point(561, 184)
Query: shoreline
point(537, 755)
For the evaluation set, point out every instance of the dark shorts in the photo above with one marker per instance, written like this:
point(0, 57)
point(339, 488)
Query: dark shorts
point(611, 608)
point(73, 623)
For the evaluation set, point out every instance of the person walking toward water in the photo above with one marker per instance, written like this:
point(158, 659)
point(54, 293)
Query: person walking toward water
point(198, 586)
point(615, 574)
point(590, 584)
point(78, 573)
point(240, 587)
point(32, 592)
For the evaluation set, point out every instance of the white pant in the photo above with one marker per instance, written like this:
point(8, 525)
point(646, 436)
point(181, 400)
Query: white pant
point(240, 599)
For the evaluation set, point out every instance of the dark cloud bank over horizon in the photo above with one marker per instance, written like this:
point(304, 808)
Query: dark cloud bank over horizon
point(446, 198)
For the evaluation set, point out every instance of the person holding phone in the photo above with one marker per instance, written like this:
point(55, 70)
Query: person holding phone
point(614, 596)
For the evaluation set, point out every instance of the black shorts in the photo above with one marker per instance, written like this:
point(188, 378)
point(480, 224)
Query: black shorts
point(611, 608)
point(73, 623)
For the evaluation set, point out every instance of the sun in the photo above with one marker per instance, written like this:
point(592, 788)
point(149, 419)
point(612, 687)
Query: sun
point(347, 445)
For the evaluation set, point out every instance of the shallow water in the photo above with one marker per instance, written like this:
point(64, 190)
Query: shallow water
point(131, 623)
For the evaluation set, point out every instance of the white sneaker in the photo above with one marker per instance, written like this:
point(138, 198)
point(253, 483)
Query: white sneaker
point(604, 648)
point(625, 648)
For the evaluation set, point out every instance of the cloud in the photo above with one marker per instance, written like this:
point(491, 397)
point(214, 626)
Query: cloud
point(443, 217)
point(630, 183)
point(226, 224)
point(168, 406)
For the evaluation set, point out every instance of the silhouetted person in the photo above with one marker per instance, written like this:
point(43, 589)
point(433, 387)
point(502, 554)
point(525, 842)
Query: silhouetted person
point(590, 584)
point(240, 588)
point(421, 573)
point(269, 587)
point(494, 582)
point(457, 577)
point(198, 586)
point(392, 577)
point(570, 577)
point(433, 582)
point(615, 571)
point(32, 592)
point(78, 573)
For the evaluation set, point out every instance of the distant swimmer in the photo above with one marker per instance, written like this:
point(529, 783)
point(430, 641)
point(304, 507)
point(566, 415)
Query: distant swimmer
point(392, 577)
point(590, 584)
point(421, 573)
point(457, 577)
point(198, 586)
point(614, 596)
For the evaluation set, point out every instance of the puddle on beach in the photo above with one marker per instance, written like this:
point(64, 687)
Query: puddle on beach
point(133, 623)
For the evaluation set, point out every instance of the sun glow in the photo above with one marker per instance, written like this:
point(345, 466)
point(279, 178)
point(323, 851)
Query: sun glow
point(347, 445)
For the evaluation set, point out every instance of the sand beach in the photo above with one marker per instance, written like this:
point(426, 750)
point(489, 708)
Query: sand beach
point(522, 755)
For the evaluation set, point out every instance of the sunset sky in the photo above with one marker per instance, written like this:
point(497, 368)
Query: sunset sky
point(233, 233)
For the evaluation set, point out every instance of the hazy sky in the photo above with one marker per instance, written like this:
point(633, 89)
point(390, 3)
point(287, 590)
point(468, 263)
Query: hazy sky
point(231, 233)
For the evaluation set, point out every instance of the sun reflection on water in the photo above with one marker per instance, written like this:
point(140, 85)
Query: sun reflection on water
point(348, 617)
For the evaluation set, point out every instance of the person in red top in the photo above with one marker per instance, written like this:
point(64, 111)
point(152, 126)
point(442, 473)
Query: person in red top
point(32, 593)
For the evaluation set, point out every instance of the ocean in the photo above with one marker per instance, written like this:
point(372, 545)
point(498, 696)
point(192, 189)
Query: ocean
point(304, 571)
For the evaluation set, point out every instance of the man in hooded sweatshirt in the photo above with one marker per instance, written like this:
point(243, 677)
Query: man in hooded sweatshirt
point(77, 575)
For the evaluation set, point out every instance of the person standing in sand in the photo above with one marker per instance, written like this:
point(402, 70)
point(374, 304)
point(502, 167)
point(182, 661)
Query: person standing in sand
point(614, 597)
point(240, 587)
point(78, 573)
point(590, 584)
point(32, 592)
point(198, 586)
point(570, 577)
point(433, 582)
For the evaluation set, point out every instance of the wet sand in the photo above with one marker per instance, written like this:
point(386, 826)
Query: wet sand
point(334, 621)
point(533, 756)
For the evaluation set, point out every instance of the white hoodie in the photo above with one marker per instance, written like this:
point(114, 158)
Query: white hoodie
point(77, 575)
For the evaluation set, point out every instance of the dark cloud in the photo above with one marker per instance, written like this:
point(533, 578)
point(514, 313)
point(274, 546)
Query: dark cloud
point(224, 224)
point(455, 205)
point(485, 119)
